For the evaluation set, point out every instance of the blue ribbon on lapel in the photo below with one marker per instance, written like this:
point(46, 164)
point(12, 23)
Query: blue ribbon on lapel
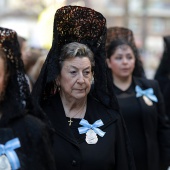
point(87, 126)
point(8, 150)
point(148, 93)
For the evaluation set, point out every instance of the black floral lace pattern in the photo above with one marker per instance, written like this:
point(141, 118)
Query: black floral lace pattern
point(77, 24)
point(83, 25)
point(114, 33)
point(17, 90)
point(86, 26)
point(117, 33)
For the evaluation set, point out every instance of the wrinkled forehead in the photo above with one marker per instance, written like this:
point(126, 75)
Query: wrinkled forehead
point(77, 62)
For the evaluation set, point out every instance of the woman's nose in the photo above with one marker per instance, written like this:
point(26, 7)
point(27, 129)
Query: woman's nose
point(80, 78)
point(124, 60)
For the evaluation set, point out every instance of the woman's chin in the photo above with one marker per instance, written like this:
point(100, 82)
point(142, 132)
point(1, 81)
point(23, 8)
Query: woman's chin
point(80, 96)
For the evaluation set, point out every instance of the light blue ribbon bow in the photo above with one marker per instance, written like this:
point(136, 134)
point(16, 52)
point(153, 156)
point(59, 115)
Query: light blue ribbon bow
point(8, 150)
point(148, 93)
point(87, 126)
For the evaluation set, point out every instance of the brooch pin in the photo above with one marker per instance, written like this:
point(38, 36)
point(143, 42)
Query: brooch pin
point(147, 101)
point(91, 137)
point(91, 130)
point(148, 95)
point(8, 157)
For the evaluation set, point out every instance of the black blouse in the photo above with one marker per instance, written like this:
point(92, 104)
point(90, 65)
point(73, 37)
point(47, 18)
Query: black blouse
point(71, 149)
point(74, 127)
point(132, 114)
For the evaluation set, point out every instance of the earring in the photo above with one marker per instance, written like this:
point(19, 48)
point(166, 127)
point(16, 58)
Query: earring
point(57, 85)
point(58, 88)
point(92, 80)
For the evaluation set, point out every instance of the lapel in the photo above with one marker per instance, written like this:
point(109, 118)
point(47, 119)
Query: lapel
point(58, 119)
point(94, 112)
point(145, 109)
point(6, 135)
point(148, 114)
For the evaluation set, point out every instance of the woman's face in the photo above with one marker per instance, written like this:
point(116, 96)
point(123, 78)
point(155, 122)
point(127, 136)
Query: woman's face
point(2, 75)
point(122, 62)
point(75, 78)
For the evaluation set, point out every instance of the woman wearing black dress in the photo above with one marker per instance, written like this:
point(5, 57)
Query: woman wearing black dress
point(140, 102)
point(24, 139)
point(89, 133)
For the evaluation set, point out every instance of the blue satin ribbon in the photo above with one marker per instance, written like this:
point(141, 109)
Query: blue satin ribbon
point(8, 150)
point(87, 126)
point(148, 93)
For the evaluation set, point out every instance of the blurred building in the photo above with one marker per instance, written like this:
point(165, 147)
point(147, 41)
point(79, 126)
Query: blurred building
point(148, 19)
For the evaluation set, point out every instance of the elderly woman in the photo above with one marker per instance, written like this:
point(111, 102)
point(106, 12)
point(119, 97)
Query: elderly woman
point(140, 101)
point(24, 140)
point(89, 132)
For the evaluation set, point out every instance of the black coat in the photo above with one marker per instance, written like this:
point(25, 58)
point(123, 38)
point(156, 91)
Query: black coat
point(164, 83)
point(110, 152)
point(35, 152)
point(156, 127)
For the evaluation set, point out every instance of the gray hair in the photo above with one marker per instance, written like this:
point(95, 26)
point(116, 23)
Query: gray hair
point(73, 50)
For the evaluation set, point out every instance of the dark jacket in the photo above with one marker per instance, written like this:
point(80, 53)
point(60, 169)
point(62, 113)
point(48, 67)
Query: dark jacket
point(32, 151)
point(156, 127)
point(164, 83)
point(110, 152)
point(35, 152)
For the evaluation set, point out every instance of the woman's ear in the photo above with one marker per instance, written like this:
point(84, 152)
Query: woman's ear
point(57, 81)
point(57, 84)
point(108, 62)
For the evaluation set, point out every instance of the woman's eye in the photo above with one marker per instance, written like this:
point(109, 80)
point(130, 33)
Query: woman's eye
point(118, 58)
point(129, 57)
point(73, 72)
point(86, 72)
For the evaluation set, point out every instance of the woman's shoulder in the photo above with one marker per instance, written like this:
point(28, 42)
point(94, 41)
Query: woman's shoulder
point(96, 104)
point(32, 120)
point(51, 100)
point(30, 125)
point(145, 82)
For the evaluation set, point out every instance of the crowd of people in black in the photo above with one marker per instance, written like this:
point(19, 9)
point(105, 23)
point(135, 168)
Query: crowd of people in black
point(86, 104)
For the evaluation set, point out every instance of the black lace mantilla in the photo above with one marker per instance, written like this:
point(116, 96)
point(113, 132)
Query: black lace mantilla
point(87, 26)
point(83, 25)
point(121, 33)
point(17, 91)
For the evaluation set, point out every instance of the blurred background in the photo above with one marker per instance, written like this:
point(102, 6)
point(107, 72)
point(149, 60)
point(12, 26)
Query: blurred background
point(148, 19)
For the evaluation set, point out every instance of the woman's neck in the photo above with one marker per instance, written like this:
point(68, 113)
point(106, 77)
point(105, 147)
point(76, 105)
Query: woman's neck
point(122, 83)
point(74, 108)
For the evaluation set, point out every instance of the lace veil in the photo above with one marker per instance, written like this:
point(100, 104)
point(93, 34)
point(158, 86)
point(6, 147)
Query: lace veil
point(121, 33)
point(83, 25)
point(17, 95)
point(87, 26)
